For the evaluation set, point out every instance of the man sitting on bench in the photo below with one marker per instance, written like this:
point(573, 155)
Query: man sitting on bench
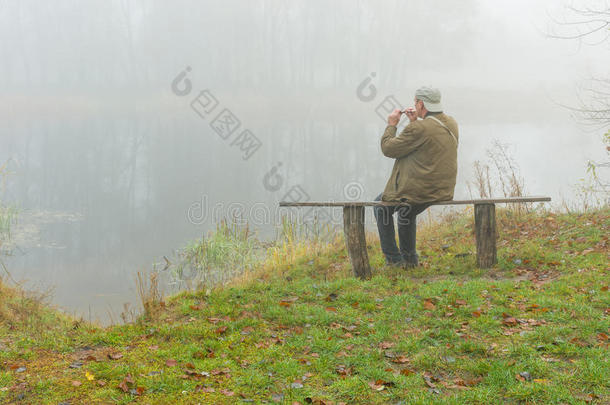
point(424, 171)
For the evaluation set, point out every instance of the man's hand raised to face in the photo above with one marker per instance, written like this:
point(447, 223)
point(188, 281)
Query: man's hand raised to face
point(411, 114)
point(394, 117)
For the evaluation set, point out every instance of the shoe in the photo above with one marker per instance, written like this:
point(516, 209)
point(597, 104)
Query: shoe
point(410, 265)
point(411, 262)
point(389, 265)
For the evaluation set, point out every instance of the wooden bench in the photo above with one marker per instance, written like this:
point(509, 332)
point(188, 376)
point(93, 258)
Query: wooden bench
point(353, 226)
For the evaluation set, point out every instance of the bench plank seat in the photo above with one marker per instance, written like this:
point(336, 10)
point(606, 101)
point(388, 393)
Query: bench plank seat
point(451, 202)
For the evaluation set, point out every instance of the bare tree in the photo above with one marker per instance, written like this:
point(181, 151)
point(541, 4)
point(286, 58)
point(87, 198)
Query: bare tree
point(589, 24)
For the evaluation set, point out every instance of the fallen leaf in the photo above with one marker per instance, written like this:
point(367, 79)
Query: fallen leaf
point(318, 401)
point(223, 371)
point(191, 372)
point(590, 397)
point(115, 356)
point(386, 345)
point(578, 342)
point(380, 385)
point(473, 382)
point(459, 381)
point(344, 371)
point(201, 388)
point(209, 353)
point(171, 363)
point(376, 387)
point(400, 359)
point(509, 321)
point(286, 302)
point(76, 383)
point(429, 305)
point(389, 354)
point(429, 382)
point(221, 330)
point(331, 297)
point(123, 386)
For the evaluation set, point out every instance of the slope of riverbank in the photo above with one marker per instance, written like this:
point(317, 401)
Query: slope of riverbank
point(300, 329)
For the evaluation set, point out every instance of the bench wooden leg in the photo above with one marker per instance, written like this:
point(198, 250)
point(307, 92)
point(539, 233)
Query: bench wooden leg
point(353, 226)
point(485, 234)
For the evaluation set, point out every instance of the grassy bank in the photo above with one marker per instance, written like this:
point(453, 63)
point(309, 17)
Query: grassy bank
point(300, 329)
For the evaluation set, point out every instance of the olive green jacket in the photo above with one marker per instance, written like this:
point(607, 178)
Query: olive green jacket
point(426, 160)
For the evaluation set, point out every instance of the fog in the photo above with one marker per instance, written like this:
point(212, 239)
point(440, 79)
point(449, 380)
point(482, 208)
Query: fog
point(112, 117)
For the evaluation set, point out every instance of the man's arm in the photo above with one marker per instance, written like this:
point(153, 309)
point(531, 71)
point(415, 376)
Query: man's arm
point(406, 142)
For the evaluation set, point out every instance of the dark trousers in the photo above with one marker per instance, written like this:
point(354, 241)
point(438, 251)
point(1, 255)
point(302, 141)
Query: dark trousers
point(407, 229)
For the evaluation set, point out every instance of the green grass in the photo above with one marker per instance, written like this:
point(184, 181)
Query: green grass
point(299, 328)
point(7, 213)
point(221, 255)
point(7, 219)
